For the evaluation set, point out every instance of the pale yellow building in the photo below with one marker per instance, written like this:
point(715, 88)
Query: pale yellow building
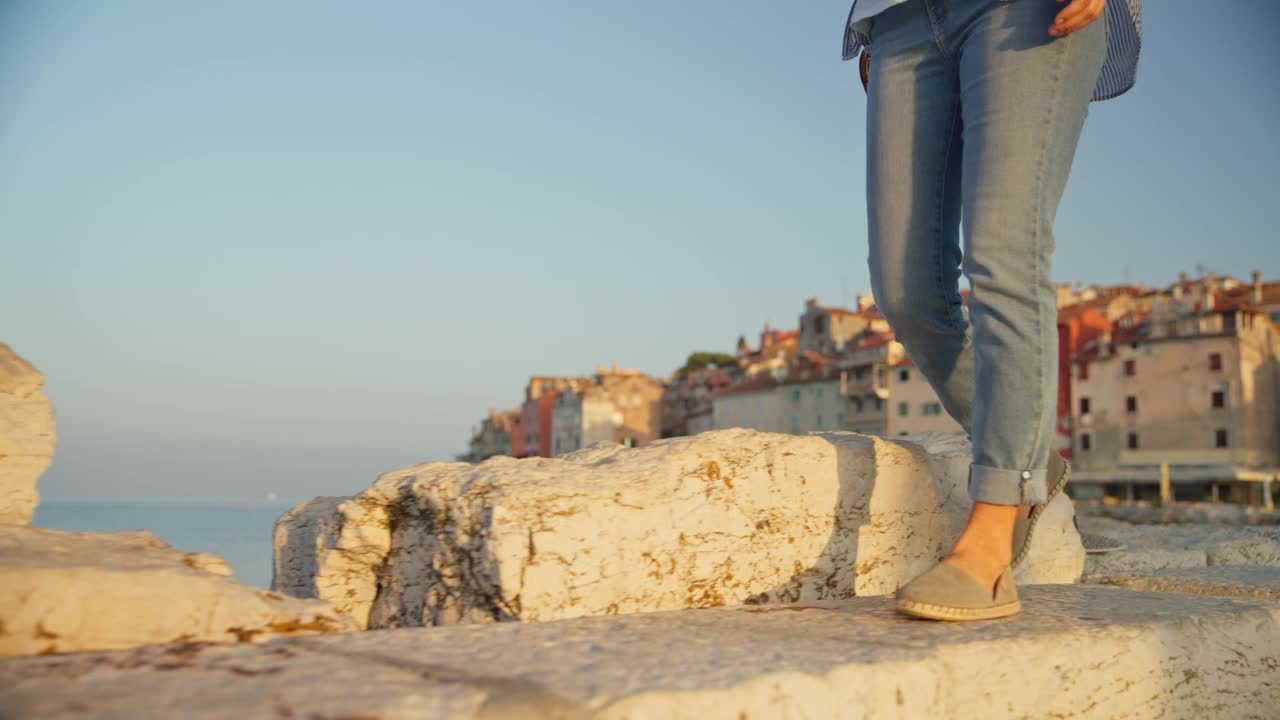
point(616, 405)
point(828, 330)
point(913, 407)
point(750, 404)
point(1196, 384)
point(813, 403)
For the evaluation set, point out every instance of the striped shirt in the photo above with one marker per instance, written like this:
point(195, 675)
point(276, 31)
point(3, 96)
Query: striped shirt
point(1124, 43)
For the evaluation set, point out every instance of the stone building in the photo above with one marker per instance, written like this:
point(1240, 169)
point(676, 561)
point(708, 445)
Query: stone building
point(539, 401)
point(866, 366)
point(493, 436)
point(753, 403)
point(1193, 382)
point(581, 418)
point(913, 407)
point(827, 330)
point(686, 404)
point(809, 402)
point(1090, 314)
point(614, 405)
point(777, 350)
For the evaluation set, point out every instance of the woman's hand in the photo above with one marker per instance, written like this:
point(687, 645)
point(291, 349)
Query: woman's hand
point(1076, 15)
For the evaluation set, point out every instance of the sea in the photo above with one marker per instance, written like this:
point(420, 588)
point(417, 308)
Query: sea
point(237, 529)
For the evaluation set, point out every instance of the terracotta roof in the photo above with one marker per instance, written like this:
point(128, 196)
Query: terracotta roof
point(875, 341)
point(817, 358)
point(1226, 303)
point(757, 384)
point(826, 375)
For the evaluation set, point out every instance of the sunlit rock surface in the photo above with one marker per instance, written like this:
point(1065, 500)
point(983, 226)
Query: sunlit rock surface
point(27, 436)
point(1156, 547)
point(64, 591)
point(1076, 651)
point(727, 517)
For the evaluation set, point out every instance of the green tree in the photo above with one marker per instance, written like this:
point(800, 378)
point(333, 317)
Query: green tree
point(700, 360)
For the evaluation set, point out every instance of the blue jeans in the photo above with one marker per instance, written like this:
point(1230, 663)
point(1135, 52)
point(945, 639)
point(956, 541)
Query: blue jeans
point(974, 110)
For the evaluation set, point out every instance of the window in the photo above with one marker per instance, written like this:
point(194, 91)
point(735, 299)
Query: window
point(857, 405)
point(1131, 404)
point(795, 423)
point(1084, 406)
point(902, 409)
point(840, 419)
point(879, 403)
point(904, 375)
point(819, 423)
point(1133, 441)
point(1229, 321)
point(1084, 371)
point(1215, 362)
point(795, 395)
point(1220, 437)
point(1086, 442)
point(1130, 368)
point(1219, 398)
point(817, 393)
point(817, 324)
point(931, 409)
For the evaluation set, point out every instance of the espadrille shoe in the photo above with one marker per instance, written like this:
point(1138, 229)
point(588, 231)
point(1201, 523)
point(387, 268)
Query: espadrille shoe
point(948, 593)
point(1058, 473)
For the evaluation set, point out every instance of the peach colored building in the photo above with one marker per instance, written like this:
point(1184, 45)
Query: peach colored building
point(827, 330)
point(614, 405)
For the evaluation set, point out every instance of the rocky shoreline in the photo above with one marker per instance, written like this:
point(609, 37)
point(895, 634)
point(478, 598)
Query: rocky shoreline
point(733, 574)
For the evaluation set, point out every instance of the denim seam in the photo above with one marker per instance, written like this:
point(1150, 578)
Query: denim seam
point(941, 198)
point(1052, 116)
point(935, 24)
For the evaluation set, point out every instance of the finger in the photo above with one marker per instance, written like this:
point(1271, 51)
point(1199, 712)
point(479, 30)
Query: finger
point(1090, 10)
point(1070, 13)
point(1079, 13)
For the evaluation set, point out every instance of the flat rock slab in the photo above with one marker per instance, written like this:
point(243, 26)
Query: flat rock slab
point(1218, 580)
point(1083, 652)
point(67, 591)
point(1156, 547)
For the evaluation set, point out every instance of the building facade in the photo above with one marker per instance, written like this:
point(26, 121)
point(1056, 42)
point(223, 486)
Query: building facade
point(752, 403)
point(1194, 382)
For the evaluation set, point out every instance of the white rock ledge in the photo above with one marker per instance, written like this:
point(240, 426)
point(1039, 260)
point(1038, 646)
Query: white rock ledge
point(726, 517)
point(27, 436)
point(1080, 652)
point(66, 591)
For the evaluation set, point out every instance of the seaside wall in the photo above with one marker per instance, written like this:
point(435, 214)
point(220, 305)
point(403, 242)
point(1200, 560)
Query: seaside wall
point(727, 517)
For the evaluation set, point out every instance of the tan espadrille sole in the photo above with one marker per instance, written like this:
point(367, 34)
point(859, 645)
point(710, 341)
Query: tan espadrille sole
point(1037, 510)
point(941, 612)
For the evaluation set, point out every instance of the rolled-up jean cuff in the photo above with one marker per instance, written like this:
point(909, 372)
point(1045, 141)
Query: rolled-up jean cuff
point(1007, 487)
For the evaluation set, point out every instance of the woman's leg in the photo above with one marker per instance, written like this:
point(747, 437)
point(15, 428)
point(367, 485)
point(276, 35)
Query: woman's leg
point(1024, 97)
point(914, 154)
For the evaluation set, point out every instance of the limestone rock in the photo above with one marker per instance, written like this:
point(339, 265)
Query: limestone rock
point(1217, 580)
point(27, 436)
point(64, 591)
point(1075, 651)
point(722, 518)
point(1153, 547)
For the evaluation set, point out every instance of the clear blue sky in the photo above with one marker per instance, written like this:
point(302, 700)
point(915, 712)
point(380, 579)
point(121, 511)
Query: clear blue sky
point(287, 246)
